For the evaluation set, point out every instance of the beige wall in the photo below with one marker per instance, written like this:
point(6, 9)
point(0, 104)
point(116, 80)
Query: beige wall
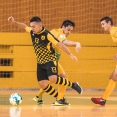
point(95, 60)
point(85, 13)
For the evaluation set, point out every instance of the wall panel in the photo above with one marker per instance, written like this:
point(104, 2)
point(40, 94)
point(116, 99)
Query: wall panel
point(95, 61)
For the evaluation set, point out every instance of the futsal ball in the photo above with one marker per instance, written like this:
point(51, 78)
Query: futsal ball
point(15, 99)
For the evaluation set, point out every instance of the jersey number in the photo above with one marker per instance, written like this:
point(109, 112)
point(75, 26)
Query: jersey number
point(36, 40)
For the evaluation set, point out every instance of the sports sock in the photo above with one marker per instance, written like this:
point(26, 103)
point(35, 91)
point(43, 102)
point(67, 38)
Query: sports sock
point(51, 91)
point(61, 91)
point(40, 93)
point(64, 82)
point(109, 89)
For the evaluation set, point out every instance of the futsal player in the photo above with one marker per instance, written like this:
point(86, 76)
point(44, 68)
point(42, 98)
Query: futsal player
point(107, 25)
point(61, 34)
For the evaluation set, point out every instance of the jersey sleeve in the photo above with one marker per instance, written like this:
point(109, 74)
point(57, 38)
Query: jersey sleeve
point(59, 35)
point(28, 29)
point(52, 39)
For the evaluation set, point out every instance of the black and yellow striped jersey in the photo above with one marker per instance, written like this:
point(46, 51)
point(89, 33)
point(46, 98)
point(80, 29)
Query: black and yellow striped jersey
point(42, 43)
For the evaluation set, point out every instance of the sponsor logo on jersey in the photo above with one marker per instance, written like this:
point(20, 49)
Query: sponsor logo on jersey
point(62, 36)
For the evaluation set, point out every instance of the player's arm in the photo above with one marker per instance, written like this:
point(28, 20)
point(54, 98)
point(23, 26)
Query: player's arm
point(72, 43)
point(65, 49)
point(56, 42)
point(17, 24)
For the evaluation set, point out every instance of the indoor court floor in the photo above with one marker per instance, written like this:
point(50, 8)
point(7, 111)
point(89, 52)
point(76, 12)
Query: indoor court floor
point(81, 106)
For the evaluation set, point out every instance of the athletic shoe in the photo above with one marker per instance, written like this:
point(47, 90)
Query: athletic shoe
point(65, 101)
point(77, 87)
point(38, 100)
point(98, 101)
point(61, 102)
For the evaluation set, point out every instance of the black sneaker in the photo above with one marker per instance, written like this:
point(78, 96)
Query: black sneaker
point(77, 87)
point(61, 102)
point(65, 101)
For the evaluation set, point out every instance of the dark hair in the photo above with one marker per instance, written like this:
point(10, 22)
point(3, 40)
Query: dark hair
point(68, 23)
point(107, 19)
point(35, 19)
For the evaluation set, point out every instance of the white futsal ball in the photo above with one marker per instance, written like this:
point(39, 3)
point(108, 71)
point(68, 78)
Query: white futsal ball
point(15, 99)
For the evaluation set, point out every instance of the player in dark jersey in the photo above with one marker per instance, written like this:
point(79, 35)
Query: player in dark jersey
point(61, 34)
point(42, 41)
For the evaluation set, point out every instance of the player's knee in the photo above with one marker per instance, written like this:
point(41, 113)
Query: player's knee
point(49, 82)
point(53, 78)
point(114, 79)
point(43, 84)
point(113, 76)
point(63, 75)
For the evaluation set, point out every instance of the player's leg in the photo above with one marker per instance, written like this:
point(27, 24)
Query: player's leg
point(64, 82)
point(61, 81)
point(43, 80)
point(38, 97)
point(108, 91)
point(61, 89)
point(52, 69)
point(48, 88)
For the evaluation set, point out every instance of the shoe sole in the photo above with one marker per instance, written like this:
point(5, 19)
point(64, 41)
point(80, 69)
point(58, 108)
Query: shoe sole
point(40, 103)
point(60, 105)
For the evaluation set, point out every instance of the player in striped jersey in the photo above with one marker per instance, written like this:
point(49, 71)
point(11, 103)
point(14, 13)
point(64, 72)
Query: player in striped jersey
point(42, 41)
point(61, 34)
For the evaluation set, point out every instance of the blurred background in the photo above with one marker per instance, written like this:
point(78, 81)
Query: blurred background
point(85, 13)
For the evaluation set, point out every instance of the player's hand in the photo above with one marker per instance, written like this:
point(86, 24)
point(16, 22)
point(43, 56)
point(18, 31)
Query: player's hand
point(115, 57)
point(11, 19)
point(73, 57)
point(78, 47)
